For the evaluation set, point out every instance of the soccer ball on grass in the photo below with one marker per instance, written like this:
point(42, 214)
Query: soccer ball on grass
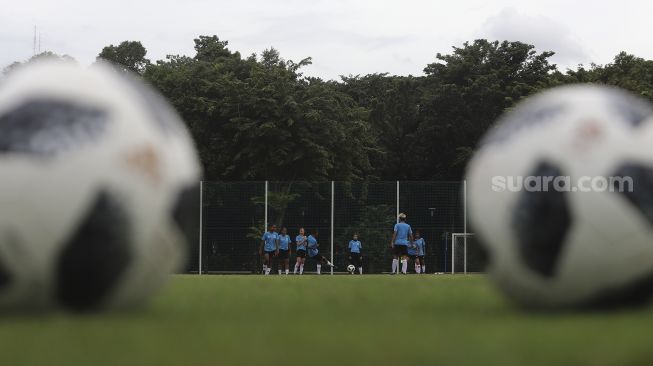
point(560, 194)
point(98, 189)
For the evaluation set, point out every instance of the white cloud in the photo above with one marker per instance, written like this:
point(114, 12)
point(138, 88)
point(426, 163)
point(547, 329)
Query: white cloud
point(544, 33)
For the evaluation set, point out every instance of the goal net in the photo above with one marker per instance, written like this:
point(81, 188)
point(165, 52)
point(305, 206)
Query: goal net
point(467, 256)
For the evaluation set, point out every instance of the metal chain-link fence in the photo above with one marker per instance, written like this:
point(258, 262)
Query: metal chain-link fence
point(234, 215)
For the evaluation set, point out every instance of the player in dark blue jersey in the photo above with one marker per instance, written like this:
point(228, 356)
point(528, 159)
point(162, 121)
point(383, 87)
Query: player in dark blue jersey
point(401, 236)
point(268, 247)
point(355, 256)
point(301, 242)
point(283, 250)
point(314, 252)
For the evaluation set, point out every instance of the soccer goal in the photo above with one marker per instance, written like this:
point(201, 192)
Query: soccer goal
point(466, 254)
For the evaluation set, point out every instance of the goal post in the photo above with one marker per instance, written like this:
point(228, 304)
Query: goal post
point(466, 254)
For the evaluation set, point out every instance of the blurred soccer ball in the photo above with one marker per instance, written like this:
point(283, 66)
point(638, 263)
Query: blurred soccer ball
point(576, 230)
point(351, 268)
point(98, 186)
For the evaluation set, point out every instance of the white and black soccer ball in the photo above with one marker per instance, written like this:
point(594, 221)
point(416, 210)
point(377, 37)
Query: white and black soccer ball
point(98, 188)
point(351, 268)
point(561, 195)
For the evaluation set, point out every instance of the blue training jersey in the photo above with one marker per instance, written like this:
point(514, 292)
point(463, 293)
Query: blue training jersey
point(270, 240)
point(355, 246)
point(419, 243)
point(301, 242)
point(312, 246)
point(403, 231)
point(412, 248)
point(284, 242)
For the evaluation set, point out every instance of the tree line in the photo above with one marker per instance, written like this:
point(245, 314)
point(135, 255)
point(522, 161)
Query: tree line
point(257, 117)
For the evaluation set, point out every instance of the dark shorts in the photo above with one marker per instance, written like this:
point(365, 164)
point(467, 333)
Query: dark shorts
point(400, 250)
point(317, 257)
point(412, 257)
point(421, 258)
point(270, 252)
point(283, 254)
point(301, 253)
point(355, 259)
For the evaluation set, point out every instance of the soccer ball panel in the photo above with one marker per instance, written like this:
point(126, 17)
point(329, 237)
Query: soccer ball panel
point(46, 127)
point(93, 259)
point(541, 221)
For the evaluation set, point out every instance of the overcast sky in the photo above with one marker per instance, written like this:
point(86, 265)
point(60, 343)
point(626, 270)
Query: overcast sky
point(342, 36)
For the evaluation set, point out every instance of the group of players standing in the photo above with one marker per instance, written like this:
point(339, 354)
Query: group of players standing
point(275, 244)
point(404, 245)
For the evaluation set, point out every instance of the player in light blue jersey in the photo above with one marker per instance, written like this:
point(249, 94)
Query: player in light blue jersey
point(420, 244)
point(314, 252)
point(413, 253)
point(268, 247)
point(401, 237)
point(355, 256)
point(416, 252)
point(301, 242)
point(283, 250)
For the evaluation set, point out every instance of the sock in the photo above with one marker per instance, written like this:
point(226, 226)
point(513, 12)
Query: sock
point(417, 269)
point(360, 270)
point(296, 268)
point(395, 265)
point(279, 271)
point(287, 270)
point(301, 269)
point(329, 264)
point(423, 269)
point(265, 269)
point(319, 268)
point(404, 266)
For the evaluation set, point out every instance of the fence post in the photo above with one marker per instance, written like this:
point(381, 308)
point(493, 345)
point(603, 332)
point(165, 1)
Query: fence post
point(333, 195)
point(465, 222)
point(265, 219)
point(397, 213)
point(199, 268)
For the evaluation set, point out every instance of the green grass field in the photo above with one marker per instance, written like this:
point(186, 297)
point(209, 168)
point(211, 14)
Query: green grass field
point(340, 320)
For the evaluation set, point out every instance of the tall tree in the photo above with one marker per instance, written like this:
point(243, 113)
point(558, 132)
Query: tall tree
point(129, 55)
point(464, 93)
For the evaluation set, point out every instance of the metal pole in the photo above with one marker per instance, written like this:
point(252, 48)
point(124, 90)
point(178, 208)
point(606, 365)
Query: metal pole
point(397, 215)
point(333, 201)
point(200, 241)
point(465, 221)
point(265, 223)
point(453, 253)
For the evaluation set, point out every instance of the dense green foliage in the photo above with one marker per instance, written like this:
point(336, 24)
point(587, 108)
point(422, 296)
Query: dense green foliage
point(329, 320)
point(258, 117)
point(130, 55)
